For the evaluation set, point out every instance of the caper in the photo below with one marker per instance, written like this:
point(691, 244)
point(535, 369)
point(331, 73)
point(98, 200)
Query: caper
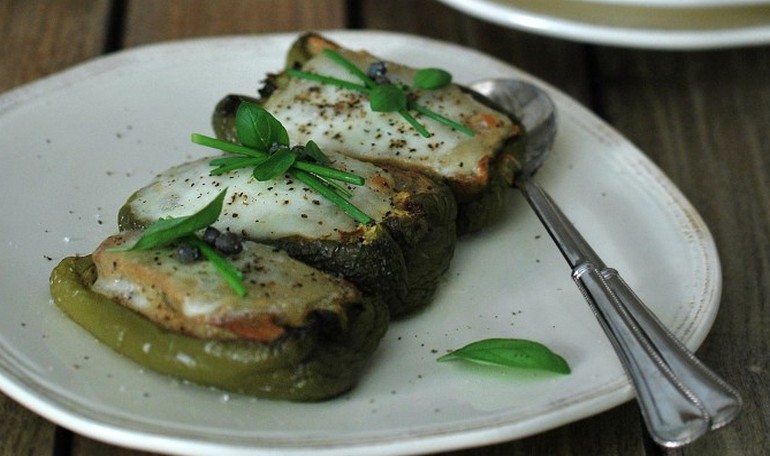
point(377, 71)
point(210, 235)
point(186, 253)
point(228, 242)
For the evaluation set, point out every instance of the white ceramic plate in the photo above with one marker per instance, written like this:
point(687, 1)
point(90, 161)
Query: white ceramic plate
point(626, 23)
point(75, 145)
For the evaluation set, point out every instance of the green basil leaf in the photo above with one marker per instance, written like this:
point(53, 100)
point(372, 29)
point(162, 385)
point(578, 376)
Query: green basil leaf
point(431, 78)
point(313, 151)
point(258, 128)
point(167, 230)
point(277, 164)
point(511, 353)
point(387, 98)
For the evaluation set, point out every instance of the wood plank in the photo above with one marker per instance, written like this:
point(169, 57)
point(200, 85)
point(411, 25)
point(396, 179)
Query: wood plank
point(418, 17)
point(82, 446)
point(41, 37)
point(23, 432)
point(150, 21)
point(703, 117)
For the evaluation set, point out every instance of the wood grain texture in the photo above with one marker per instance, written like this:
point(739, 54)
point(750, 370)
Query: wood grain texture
point(23, 432)
point(703, 117)
point(558, 62)
point(149, 21)
point(39, 38)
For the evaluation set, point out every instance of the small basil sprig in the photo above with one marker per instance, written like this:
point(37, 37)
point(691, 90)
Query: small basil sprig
point(171, 229)
point(258, 129)
point(390, 97)
point(431, 78)
point(520, 353)
point(265, 146)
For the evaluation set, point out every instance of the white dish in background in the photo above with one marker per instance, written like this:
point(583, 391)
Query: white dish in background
point(693, 25)
point(680, 3)
point(75, 145)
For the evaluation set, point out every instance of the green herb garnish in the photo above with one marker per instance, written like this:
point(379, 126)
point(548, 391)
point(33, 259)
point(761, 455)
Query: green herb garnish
point(431, 78)
point(390, 97)
point(229, 273)
point(510, 353)
point(167, 230)
point(387, 98)
point(265, 147)
point(258, 129)
point(171, 229)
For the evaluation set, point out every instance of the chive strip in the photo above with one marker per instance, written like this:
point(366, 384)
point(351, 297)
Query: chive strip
point(330, 173)
point(439, 118)
point(226, 146)
point(238, 163)
point(226, 160)
point(342, 191)
point(350, 66)
point(414, 123)
point(321, 170)
point(318, 185)
point(230, 273)
point(326, 80)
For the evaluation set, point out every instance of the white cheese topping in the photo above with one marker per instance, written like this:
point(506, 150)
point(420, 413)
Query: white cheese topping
point(264, 210)
point(341, 119)
point(126, 290)
point(156, 284)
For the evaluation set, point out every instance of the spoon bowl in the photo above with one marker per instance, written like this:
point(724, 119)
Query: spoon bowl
point(533, 108)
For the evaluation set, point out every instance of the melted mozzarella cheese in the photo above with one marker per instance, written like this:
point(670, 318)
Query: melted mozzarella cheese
point(341, 119)
point(194, 295)
point(276, 208)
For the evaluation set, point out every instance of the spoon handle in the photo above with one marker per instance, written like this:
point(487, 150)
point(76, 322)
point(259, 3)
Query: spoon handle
point(680, 398)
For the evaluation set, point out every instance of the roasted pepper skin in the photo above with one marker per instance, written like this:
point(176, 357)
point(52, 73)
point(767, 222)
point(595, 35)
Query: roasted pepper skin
point(316, 362)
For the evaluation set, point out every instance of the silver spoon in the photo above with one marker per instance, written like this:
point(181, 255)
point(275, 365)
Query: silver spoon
point(680, 398)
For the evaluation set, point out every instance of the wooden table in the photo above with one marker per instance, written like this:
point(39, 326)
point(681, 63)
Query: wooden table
point(702, 116)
